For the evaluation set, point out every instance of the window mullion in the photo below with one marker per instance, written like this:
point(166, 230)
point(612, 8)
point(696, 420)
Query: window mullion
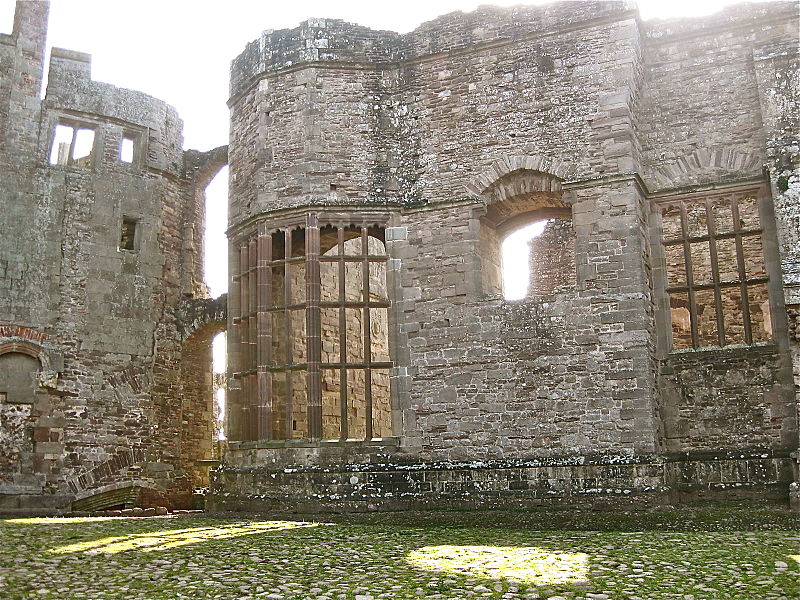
point(244, 337)
point(287, 313)
point(71, 155)
point(264, 415)
point(365, 293)
point(313, 329)
point(344, 429)
point(748, 330)
point(687, 256)
point(712, 245)
point(252, 322)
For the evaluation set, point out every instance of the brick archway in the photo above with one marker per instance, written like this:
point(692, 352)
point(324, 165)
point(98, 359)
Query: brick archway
point(704, 165)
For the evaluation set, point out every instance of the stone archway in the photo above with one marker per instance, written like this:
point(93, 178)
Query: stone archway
point(200, 320)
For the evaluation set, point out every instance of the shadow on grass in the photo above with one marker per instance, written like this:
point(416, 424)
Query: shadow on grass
point(703, 518)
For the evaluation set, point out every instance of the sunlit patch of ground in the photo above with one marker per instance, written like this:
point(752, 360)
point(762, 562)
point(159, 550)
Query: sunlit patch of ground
point(172, 538)
point(367, 558)
point(524, 565)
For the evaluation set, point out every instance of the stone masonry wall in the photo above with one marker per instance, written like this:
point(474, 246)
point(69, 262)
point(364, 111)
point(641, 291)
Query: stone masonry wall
point(700, 120)
point(109, 413)
point(580, 110)
point(552, 258)
point(533, 378)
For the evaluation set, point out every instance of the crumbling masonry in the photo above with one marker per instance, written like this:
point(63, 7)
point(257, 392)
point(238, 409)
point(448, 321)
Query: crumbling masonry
point(372, 360)
point(105, 379)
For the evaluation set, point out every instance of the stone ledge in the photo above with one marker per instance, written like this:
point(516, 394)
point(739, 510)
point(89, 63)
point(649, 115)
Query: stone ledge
point(276, 444)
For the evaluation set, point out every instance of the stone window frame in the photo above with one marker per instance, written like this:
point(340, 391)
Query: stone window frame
point(122, 130)
point(515, 213)
point(136, 141)
point(137, 233)
point(76, 123)
point(250, 308)
point(755, 187)
point(105, 131)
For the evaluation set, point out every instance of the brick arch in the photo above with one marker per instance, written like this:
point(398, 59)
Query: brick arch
point(22, 347)
point(704, 165)
point(29, 342)
point(137, 492)
point(545, 165)
point(522, 196)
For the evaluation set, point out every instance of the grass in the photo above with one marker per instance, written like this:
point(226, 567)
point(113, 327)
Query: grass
point(713, 554)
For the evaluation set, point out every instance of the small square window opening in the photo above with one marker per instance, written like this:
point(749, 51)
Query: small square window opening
point(72, 145)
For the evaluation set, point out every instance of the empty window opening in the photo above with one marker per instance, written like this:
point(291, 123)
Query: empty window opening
point(62, 141)
point(516, 260)
point(526, 239)
point(218, 349)
point(7, 10)
point(312, 327)
point(126, 150)
point(539, 260)
point(127, 237)
point(72, 145)
point(716, 276)
point(215, 244)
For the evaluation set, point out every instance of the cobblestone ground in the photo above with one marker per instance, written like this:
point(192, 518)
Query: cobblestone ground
point(428, 555)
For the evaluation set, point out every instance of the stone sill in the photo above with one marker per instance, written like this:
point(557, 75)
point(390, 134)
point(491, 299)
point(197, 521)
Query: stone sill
point(729, 349)
point(305, 443)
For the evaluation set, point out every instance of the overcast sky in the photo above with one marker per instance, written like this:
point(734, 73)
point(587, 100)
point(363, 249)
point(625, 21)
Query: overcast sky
point(180, 52)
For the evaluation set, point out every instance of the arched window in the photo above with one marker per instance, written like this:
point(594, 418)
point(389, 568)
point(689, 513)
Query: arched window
point(527, 242)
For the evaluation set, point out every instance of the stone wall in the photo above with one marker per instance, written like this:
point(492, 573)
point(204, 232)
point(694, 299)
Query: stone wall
point(552, 264)
point(467, 128)
point(99, 256)
point(727, 398)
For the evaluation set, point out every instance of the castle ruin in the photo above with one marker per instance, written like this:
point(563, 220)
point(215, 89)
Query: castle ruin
point(373, 362)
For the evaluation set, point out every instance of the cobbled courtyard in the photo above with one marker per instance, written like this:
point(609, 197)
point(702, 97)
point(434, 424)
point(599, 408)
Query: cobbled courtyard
point(724, 554)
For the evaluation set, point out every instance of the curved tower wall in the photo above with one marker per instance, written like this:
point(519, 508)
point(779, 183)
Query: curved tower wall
point(446, 139)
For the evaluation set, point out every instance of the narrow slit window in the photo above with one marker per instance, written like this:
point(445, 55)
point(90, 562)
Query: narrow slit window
point(126, 150)
point(127, 236)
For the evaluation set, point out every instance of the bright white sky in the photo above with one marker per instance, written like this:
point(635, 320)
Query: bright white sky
point(180, 52)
